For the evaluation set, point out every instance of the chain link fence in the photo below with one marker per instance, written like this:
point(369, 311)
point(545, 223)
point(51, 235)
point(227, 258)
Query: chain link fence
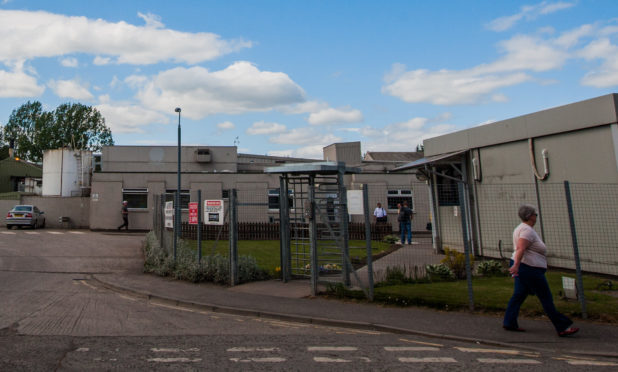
point(576, 221)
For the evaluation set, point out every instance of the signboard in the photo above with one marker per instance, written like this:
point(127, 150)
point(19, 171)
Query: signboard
point(169, 214)
point(355, 202)
point(213, 212)
point(193, 213)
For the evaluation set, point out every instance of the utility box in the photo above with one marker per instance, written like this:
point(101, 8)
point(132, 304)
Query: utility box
point(202, 156)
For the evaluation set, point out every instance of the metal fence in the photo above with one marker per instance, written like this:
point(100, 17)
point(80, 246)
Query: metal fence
point(576, 221)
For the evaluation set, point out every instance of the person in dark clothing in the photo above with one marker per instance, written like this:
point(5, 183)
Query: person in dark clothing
point(405, 223)
point(125, 215)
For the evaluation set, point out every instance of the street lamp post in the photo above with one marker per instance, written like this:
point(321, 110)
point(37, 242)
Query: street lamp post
point(177, 202)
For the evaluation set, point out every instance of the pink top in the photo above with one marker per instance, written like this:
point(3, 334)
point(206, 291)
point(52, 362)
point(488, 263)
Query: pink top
point(535, 254)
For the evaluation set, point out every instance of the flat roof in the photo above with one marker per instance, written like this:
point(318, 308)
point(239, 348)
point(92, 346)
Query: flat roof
point(579, 115)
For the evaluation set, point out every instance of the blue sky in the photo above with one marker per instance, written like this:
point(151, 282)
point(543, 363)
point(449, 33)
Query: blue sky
point(290, 77)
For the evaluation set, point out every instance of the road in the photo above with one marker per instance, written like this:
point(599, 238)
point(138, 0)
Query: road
point(53, 316)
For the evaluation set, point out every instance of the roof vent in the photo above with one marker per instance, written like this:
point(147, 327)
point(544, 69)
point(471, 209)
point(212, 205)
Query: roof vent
point(202, 156)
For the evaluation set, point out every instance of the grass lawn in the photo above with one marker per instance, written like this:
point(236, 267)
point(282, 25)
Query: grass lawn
point(266, 252)
point(493, 294)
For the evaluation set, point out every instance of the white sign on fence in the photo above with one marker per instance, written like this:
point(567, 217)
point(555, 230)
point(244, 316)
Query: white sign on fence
point(213, 212)
point(169, 214)
point(355, 202)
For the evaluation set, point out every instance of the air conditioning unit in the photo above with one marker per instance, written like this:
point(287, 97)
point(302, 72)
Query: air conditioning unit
point(202, 156)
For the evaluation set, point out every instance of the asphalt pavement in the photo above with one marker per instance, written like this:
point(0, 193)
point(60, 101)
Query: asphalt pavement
point(292, 301)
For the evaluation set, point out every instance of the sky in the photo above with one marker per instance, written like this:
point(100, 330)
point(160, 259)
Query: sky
point(287, 78)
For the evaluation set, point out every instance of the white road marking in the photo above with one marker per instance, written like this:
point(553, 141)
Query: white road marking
point(82, 350)
point(174, 360)
point(330, 360)
point(494, 351)
point(8, 232)
point(427, 360)
point(251, 349)
point(258, 360)
point(56, 232)
point(76, 232)
point(173, 350)
point(508, 361)
point(32, 233)
point(331, 348)
point(590, 363)
point(420, 342)
point(411, 348)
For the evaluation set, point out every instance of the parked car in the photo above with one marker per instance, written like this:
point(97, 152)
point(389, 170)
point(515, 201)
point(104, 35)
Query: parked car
point(25, 215)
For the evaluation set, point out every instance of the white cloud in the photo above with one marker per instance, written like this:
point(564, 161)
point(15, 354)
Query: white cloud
point(307, 152)
point(528, 13)
point(34, 34)
point(606, 75)
point(447, 87)
point(239, 88)
point(70, 89)
point(226, 125)
point(261, 127)
point(304, 107)
point(69, 62)
point(335, 116)
point(403, 136)
point(101, 61)
point(152, 20)
point(305, 136)
point(17, 83)
point(128, 118)
point(522, 54)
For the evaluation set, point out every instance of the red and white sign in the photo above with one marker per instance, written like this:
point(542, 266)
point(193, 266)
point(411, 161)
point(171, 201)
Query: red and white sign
point(192, 213)
point(213, 212)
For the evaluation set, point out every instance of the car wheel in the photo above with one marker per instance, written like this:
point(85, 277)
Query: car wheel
point(9, 227)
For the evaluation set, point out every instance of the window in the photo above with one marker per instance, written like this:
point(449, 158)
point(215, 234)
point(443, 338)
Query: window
point(395, 197)
point(225, 194)
point(185, 197)
point(136, 198)
point(273, 199)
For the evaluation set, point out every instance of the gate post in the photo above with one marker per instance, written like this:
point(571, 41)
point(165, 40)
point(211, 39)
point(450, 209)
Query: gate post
point(233, 238)
point(368, 240)
point(199, 226)
point(313, 238)
point(344, 227)
point(466, 242)
point(578, 267)
point(284, 229)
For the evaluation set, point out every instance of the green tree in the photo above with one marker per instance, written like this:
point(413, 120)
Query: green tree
point(71, 125)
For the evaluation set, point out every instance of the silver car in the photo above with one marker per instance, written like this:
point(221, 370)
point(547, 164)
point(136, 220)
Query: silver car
point(25, 215)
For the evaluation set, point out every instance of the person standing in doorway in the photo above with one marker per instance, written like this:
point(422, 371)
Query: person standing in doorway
point(405, 223)
point(380, 214)
point(125, 215)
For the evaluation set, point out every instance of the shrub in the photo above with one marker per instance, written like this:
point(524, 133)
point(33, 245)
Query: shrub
point(213, 268)
point(490, 268)
point(395, 275)
point(390, 239)
point(456, 261)
point(439, 272)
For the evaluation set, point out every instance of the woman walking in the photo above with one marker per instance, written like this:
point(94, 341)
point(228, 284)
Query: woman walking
point(528, 267)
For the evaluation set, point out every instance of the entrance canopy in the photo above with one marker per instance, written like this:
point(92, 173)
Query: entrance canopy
point(322, 168)
point(430, 160)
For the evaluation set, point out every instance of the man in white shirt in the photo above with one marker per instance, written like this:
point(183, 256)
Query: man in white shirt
point(380, 213)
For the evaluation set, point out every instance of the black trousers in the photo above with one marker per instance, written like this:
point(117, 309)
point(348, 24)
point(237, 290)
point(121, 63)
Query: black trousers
point(125, 223)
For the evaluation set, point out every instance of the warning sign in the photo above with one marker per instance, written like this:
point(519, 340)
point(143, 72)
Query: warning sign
point(169, 214)
point(213, 212)
point(192, 213)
